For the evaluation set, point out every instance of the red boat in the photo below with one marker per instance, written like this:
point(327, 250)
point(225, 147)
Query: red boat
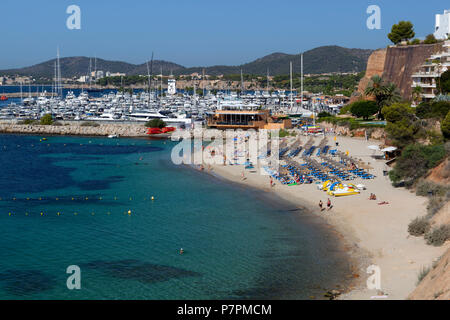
point(3, 98)
point(159, 131)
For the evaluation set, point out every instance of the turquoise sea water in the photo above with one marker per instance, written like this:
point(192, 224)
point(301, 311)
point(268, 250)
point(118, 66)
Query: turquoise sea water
point(238, 242)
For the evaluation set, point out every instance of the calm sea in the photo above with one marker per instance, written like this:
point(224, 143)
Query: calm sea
point(65, 201)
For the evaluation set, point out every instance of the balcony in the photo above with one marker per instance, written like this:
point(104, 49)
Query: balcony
point(423, 85)
point(427, 74)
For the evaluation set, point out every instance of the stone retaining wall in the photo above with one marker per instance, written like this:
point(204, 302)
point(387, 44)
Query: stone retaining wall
point(123, 130)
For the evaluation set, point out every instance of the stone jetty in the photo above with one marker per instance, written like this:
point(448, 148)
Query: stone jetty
point(76, 128)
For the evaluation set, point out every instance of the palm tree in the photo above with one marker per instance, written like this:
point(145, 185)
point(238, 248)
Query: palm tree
point(384, 94)
point(417, 95)
point(391, 95)
point(376, 89)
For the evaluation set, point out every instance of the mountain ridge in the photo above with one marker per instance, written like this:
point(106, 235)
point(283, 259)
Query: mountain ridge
point(325, 59)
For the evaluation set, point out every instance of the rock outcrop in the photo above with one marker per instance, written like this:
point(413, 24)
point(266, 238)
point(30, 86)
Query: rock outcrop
point(375, 66)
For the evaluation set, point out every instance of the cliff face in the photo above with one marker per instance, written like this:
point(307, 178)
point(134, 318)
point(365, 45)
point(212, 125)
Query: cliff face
point(375, 66)
point(401, 62)
point(397, 64)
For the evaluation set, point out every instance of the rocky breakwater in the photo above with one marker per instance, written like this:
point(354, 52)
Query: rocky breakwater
point(100, 129)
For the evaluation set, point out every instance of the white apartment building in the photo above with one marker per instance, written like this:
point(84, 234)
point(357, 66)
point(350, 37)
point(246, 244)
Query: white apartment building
point(430, 71)
point(442, 29)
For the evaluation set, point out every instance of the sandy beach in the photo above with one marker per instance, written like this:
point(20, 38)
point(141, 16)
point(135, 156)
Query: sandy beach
point(374, 234)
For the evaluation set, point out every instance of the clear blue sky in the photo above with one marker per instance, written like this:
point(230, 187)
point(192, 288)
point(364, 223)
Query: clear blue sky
point(198, 32)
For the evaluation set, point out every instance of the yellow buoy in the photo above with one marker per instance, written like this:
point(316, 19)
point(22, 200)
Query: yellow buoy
point(129, 212)
point(9, 213)
point(153, 198)
point(42, 213)
point(58, 213)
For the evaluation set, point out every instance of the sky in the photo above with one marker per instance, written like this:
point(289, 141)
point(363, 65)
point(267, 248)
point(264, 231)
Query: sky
point(198, 32)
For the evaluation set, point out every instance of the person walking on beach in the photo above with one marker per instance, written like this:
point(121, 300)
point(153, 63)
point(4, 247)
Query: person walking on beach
point(321, 205)
point(329, 206)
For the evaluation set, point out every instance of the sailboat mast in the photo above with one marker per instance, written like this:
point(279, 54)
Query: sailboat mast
point(95, 70)
point(292, 103)
point(148, 79)
point(301, 102)
point(161, 89)
point(204, 83)
point(151, 73)
point(90, 73)
point(54, 84)
point(59, 74)
point(242, 83)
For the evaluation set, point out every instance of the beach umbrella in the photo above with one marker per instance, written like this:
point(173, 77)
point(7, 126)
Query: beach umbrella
point(389, 149)
point(375, 148)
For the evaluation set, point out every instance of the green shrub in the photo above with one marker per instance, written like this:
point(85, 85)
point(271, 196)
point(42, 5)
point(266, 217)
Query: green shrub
point(47, 120)
point(364, 109)
point(285, 133)
point(444, 82)
point(434, 205)
point(440, 109)
point(155, 123)
point(445, 127)
point(419, 226)
point(438, 236)
point(89, 124)
point(424, 111)
point(424, 271)
point(424, 188)
point(415, 161)
point(345, 109)
point(324, 114)
point(430, 39)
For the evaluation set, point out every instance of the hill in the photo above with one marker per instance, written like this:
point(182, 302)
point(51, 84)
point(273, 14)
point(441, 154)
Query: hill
point(325, 59)
point(78, 66)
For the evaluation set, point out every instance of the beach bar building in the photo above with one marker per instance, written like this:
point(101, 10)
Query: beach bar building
point(246, 119)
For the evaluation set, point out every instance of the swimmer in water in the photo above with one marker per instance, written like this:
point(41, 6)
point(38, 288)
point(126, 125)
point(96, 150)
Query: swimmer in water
point(181, 251)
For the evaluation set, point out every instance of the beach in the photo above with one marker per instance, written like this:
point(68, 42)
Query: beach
point(373, 234)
